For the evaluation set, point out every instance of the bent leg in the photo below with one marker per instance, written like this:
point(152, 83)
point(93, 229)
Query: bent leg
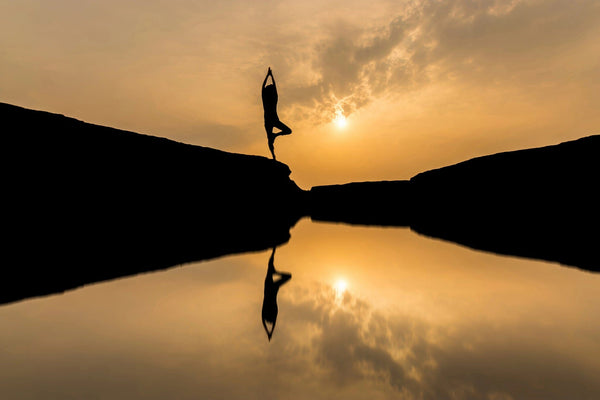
point(285, 130)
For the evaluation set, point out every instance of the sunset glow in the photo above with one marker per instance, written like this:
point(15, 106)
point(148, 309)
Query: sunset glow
point(344, 199)
point(340, 120)
point(340, 286)
point(423, 84)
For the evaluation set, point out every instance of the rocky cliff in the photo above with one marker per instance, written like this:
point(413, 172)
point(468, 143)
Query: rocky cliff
point(540, 203)
point(84, 202)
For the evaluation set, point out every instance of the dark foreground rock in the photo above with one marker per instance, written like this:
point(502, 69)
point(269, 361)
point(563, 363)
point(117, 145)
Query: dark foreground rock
point(365, 203)
point(541, 203)
point(84, 203)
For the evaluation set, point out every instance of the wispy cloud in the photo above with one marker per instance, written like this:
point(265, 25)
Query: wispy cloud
point(461, 42)
point(350, 341)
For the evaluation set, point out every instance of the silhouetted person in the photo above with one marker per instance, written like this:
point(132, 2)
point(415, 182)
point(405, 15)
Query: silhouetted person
point(269, 308)
point(269, 99)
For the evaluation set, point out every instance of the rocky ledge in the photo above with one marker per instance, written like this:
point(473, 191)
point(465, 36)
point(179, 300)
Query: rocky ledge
point(540, 203)
point(85, 203)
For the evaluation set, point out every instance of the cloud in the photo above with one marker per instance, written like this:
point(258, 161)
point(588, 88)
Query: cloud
point(463, 42)
point(346, 64)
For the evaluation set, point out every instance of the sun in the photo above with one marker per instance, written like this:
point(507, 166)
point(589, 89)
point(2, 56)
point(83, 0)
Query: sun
point(340, 286)
point(340, 119)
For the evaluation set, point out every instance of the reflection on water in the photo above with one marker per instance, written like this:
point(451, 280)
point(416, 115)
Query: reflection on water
point(372, 313)
point(269, 308)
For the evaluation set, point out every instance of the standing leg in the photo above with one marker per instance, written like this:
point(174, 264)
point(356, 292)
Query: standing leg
point(271, 139)
point(271, 146)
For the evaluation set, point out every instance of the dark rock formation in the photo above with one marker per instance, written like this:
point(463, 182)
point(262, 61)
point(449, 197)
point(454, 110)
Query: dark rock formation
point(365, 203)
point(540, 203)
point(84, 203)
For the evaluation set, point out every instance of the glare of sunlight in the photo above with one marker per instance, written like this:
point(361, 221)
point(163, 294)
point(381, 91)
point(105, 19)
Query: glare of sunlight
point(340, 119)
point(340, 286)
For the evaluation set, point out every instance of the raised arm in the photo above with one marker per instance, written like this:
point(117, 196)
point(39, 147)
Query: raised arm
point(272, 261)
point(269, 72)
point(272, 78)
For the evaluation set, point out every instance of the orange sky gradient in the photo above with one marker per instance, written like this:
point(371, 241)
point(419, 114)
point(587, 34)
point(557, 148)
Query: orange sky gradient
point(422, 84)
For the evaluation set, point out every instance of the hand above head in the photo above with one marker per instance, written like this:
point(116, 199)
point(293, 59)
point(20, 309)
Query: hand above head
point(269, 72)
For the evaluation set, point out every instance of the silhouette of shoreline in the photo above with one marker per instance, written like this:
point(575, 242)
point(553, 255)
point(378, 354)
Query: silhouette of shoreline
point(539, 203)
point(86, 203)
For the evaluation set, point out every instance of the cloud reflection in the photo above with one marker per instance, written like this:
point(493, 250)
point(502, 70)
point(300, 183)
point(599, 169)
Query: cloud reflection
point(194, 332)
point(353, 343)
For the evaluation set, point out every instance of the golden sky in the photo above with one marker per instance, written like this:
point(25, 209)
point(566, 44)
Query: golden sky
point(422, 83)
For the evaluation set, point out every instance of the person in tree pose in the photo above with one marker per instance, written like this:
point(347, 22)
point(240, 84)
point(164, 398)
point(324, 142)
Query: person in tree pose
point(269, 99)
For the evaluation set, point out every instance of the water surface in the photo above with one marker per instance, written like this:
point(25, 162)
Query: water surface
point(368, 313)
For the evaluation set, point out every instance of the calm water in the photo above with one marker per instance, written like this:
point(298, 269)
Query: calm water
point(368, 313)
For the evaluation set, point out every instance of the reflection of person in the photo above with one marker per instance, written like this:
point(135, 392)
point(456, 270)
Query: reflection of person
point(269, 99)
point(269, 308)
